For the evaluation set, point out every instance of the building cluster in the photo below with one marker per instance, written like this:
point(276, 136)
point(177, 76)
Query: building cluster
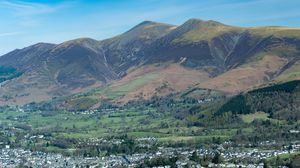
point(10, 157)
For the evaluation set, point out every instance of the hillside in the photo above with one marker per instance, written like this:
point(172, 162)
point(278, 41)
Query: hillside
point(279, 101)
point(8, 73)
point(153, 59)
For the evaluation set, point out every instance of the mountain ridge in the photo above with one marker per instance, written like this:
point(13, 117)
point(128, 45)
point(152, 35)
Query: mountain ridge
point(208, 50)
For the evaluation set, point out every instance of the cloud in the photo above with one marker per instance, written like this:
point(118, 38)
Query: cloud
point(9, 34)
point(27, 13)
point(21, 8)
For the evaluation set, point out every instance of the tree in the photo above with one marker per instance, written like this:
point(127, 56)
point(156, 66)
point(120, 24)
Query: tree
point(265, 163)
point(194, 157)
point(217, 158)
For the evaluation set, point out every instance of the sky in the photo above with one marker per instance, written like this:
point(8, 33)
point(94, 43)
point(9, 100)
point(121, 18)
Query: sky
point(23, 23)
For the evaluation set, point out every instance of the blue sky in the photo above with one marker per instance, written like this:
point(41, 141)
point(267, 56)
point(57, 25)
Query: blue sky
point(23, 23)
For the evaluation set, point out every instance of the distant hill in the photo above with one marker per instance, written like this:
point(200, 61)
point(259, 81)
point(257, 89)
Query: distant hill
point(154, 59)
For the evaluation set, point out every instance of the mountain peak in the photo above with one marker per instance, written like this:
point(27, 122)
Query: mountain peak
point(147, 22)
point(196, 30)
point(145, 31)
point(194, 20)
point(151, 24)
point(198, 23)
point(83, 42)
point(79, 41)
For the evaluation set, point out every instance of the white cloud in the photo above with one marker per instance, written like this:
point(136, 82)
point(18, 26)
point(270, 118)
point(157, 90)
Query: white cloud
point(21, 8)
point(26, 13)
point(9, 34)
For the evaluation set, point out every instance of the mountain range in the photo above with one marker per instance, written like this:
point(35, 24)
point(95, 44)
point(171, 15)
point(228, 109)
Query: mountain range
point(151, 59)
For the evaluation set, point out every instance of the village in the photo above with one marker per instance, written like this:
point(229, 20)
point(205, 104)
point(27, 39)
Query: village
point(13, 157)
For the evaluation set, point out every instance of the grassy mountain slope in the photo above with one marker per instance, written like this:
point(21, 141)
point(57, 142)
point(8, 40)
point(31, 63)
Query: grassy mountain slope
point(247, 76)
point(146, 82)
point(123, 51)
point(8, 73)
point(54, 70)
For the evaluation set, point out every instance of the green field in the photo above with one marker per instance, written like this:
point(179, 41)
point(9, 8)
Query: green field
point(134, 122)
point(248, 118)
